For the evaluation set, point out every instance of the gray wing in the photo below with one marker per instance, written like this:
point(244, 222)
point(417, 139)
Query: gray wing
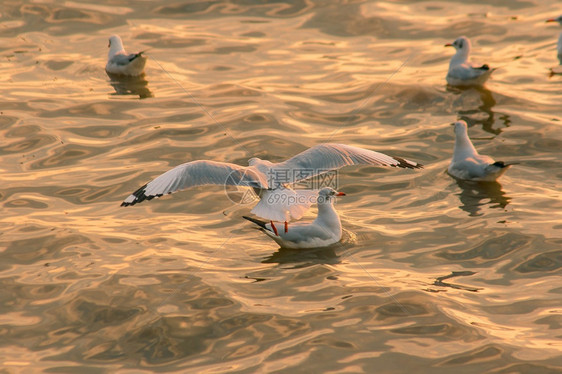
point(476, 71)
point(325, 157)
point(466, 71)
point(467, 169)
point(122, 59)
point(196, 173)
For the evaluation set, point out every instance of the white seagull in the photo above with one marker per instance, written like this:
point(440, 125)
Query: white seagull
point(559, 48)
point(324, 231)
point(461, 71)
point(467, 164)
point(278, 201)
point(120, 62)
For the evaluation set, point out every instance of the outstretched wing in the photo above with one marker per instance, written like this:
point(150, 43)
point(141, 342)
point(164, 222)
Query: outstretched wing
point(325, 157)
point(196, 173)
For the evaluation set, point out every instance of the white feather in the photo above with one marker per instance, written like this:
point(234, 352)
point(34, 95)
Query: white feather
point(284, 204)
point(324, 231)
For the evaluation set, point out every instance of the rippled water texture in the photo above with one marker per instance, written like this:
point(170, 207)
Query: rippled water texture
point(433, 275)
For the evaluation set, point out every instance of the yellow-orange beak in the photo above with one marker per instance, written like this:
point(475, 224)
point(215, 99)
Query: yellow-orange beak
point(448, 45)
point(340, 194)
point(550, 20)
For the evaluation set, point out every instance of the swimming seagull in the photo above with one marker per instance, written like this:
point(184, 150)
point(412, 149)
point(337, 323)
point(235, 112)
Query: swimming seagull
point(559, 48)
point(121, 63)
point(322, 232)
point(273, 180)
point(467, 164)
point(461, 71)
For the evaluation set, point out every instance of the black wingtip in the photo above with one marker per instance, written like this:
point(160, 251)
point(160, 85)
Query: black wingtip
point(403, 163)
point(136, 55)
point(502, 164)
point(256, 221)
point(140, 196)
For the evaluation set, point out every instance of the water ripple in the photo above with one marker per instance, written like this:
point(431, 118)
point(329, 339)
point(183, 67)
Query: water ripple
point(432, 273)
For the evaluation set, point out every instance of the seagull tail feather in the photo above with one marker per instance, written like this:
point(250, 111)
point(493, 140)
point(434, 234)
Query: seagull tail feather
point(258, 222)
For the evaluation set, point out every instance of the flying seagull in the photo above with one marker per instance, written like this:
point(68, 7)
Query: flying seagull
point(273, 180)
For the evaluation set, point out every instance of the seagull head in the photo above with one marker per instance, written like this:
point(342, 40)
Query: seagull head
point(115, 40)
point(460, 127)
point(115, 44)
point(253, 161)
point(327, 193)
point(557, 19)
point(461, 44)
point(259, 163)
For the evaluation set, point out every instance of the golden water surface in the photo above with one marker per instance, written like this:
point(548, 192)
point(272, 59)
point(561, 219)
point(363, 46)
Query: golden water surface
point(432, 275)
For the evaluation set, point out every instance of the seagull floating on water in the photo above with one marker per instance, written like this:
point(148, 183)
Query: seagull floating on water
point(461, 71)
point(325, 230)
point(120, 62)
point(559, 47)
point(467, 164)
point(278, 201)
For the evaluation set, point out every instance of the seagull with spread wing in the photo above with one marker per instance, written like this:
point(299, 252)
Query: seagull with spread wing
point(278, 201)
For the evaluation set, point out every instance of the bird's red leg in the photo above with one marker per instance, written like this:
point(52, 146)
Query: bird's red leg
point(274, 228)
point(286, 227)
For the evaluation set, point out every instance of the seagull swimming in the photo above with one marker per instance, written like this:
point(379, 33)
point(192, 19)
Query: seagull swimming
point(273, 180)
point(461, 71)
point(322, 232)
point(121, 63)
point(559, 48)
point(467, 164)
